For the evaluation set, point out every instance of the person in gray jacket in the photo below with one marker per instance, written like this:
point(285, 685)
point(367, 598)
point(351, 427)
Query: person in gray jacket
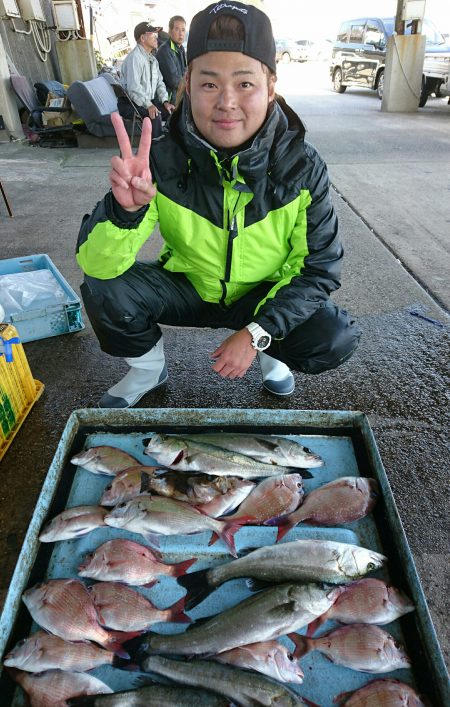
point(172, 56)
point(142, 80)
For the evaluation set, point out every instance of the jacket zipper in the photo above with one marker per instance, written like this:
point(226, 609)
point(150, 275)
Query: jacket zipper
point(232, 233)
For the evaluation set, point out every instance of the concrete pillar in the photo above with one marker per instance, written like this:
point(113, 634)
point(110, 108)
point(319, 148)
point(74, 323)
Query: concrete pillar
point(8, 102)
point(403, 73)
point(76, 60)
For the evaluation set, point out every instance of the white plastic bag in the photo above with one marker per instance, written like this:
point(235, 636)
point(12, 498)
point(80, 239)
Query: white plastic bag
point(26, 291)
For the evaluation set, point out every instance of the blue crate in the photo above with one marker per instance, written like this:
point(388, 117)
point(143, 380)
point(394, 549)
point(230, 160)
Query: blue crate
point(53, 320)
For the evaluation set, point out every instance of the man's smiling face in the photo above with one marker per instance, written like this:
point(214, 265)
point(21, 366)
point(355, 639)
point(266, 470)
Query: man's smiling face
point(230, 93)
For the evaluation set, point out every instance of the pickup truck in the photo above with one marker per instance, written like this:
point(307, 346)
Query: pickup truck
point(436, 72)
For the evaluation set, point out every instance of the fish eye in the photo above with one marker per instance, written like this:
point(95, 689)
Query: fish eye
point(371, 566)
point(290, 656)
point(299, 484)
point(108, 488)
point(308, 451)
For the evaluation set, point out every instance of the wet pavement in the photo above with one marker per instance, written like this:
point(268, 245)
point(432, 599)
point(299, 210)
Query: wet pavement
point(399, 376)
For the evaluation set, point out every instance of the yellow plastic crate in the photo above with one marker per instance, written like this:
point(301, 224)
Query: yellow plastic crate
point(18, 389)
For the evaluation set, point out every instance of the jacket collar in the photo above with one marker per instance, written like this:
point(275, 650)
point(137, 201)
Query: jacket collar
point(255, 161)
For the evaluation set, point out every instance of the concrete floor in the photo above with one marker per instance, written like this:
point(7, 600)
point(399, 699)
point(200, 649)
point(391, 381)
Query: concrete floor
point(399, 376)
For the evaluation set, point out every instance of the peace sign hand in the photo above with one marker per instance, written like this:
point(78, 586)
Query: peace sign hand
point(130, 176)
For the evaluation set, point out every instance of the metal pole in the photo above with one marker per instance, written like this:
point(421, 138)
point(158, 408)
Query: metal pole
point(399, 24)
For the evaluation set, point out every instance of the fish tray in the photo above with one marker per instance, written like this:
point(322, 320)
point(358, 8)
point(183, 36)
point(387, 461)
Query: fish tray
point(53, 319)
point(346, 443)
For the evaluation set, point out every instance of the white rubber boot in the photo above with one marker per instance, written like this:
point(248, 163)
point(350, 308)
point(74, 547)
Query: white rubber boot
point(277, 378)
point(146, 373)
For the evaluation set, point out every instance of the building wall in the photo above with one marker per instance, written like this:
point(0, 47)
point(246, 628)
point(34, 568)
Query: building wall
point(21, 48)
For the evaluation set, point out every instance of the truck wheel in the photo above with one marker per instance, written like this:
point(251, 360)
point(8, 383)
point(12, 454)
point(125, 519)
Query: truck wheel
point(380, 84)
point(423, 93)
point(337, 82)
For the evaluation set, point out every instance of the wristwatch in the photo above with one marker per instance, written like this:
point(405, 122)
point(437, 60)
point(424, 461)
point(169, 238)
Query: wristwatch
point(261, 339)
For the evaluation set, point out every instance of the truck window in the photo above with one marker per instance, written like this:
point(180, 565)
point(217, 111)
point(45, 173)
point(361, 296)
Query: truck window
point(356, 34)
point(373, 34)
point(343, 32)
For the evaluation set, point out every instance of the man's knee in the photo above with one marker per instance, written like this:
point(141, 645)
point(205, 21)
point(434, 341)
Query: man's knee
point(325, 342)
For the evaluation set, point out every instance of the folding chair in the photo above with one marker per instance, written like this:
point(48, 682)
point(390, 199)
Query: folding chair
point(27, 96)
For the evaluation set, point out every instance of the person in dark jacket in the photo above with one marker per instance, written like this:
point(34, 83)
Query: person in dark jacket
point(250, 234)
point(172, 57)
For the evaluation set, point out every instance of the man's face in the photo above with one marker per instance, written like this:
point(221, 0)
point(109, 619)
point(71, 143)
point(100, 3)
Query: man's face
point(149, 41)
point(230, 95)
point(178, 32)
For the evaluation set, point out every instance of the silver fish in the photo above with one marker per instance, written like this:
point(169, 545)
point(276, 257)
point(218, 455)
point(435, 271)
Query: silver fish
point(53, 687)
point(155, 696)
point(369, 601)
point(65, 608)
point(44, 651)
point(267, 657)
point(124, 609)
point(362, 647)
point(381, 693)
point(269, 449)
point(297, 561)
point(104, 460)
point(229, 501)
point(184, 455)
point(344, 500)
point(192, 488)
point(126, 561)
point(261, 617)
point(127, 484)
point(151, 516)
point(245, 688)
point(73, 523)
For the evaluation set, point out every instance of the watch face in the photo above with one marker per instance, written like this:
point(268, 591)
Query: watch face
point(263, 342)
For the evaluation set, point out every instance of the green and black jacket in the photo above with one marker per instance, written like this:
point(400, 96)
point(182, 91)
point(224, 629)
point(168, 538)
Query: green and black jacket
point(229, 223)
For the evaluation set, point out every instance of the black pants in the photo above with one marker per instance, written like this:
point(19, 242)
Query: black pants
point(127, 110)
point(125, 312)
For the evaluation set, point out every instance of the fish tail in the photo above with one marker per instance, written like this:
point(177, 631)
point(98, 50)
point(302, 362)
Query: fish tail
point(303, 644)
point(314, 625)
point(284, 526)
point(182, 567)
point(177, 614)
point(117, 638)
point(196, 584)
point(228, 532)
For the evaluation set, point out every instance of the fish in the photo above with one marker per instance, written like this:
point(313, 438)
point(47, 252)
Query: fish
point(220, 505)
point(73, 523)
point(44, 651)
point(272, 498)
point(124, 609)
point(369, 601)
point(344, 500)
point(52, 688)
point(155, 696)
point(381, 693)
point(152, 515)
point(242, 687)
point(298, 561)
point(262, 617)
point(127, 484)
point(183, 455)
point(65, 608)
point(363, 647)
point(269, 449)
point(126, 561)
point(104, 460)
point(194, 488)
point(268, 657)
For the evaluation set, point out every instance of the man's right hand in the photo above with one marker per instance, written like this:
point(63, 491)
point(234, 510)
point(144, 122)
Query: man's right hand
point(153, 112)
point(130, 177)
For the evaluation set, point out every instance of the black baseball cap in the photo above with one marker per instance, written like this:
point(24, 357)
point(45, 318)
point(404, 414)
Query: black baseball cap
point(144, 27)
point(258, 39)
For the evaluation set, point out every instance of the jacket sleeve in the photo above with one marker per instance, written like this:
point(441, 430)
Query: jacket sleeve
point(309, 278)
point(168, 69)
point(111, 237)
point(134, 77)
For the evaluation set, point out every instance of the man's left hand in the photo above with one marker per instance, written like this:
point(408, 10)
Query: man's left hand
point(169, 107)
point(235, 355)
